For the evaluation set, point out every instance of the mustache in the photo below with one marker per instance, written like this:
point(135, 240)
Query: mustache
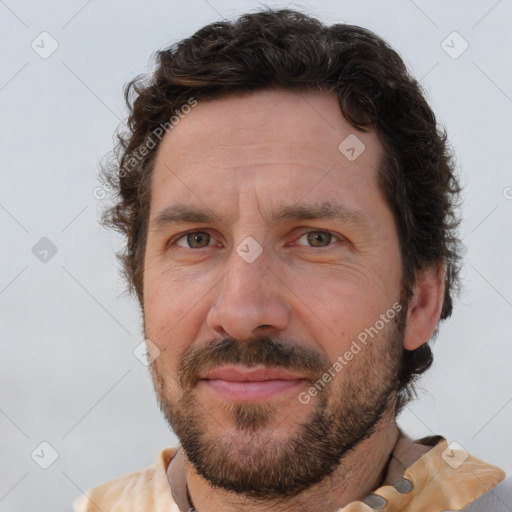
point(262, 350)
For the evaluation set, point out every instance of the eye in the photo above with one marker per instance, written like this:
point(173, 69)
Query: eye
point(195, 240)
point(318, 238)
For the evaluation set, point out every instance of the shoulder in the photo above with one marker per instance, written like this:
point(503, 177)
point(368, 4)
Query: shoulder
point(147, 489)
point(497, 499)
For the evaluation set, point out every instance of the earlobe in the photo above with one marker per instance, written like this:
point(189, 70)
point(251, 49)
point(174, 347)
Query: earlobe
point(425, 306)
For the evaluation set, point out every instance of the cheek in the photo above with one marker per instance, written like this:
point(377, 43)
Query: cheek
point(174, 310)
point(337, 309)
point(341, 299)
point(166, 298)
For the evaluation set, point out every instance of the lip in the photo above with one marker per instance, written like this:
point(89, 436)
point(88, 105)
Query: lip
point(242, 384)
point(245, 374)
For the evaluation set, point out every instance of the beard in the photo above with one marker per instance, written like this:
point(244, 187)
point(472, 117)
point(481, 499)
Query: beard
point(250, 456)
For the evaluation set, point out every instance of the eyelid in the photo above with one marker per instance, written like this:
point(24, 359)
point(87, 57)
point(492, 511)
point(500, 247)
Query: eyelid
point(335, 236)
point(174, 241)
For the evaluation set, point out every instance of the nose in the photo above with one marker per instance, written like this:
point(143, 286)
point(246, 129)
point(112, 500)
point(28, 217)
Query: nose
point(250, 299)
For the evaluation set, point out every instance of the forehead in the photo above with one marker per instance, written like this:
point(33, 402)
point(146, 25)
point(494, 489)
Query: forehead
point(277, 143)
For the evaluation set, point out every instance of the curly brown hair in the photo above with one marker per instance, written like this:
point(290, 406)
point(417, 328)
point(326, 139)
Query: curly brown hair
point(290, 50)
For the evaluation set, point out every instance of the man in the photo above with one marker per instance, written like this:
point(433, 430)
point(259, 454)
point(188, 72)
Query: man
point(289, 207)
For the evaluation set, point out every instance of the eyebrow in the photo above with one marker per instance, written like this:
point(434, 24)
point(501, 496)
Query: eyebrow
point(185, 214)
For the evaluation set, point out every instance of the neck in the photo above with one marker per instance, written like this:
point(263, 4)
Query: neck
point(360, 471)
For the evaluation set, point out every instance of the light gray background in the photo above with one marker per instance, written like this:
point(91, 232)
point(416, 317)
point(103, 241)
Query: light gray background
point(68, 373)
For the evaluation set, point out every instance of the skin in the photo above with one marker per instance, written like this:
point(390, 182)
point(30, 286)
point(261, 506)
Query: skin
point(241, 158)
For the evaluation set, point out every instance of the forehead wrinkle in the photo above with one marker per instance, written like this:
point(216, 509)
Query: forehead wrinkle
point(241, 156)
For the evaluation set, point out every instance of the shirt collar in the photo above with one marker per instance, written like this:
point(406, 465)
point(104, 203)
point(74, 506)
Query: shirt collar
point(425, 474)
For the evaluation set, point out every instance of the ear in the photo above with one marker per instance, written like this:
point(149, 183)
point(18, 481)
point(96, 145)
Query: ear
point(425, 306)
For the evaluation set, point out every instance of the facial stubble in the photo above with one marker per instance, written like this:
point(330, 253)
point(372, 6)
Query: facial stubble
point(251, 457)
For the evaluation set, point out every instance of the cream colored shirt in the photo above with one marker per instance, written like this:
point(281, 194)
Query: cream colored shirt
point(422, 476)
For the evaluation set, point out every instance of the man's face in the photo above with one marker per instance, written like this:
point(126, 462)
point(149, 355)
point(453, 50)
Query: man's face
point(261, 278)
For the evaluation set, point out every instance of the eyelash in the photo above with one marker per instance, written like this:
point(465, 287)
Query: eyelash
point(334, 236)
